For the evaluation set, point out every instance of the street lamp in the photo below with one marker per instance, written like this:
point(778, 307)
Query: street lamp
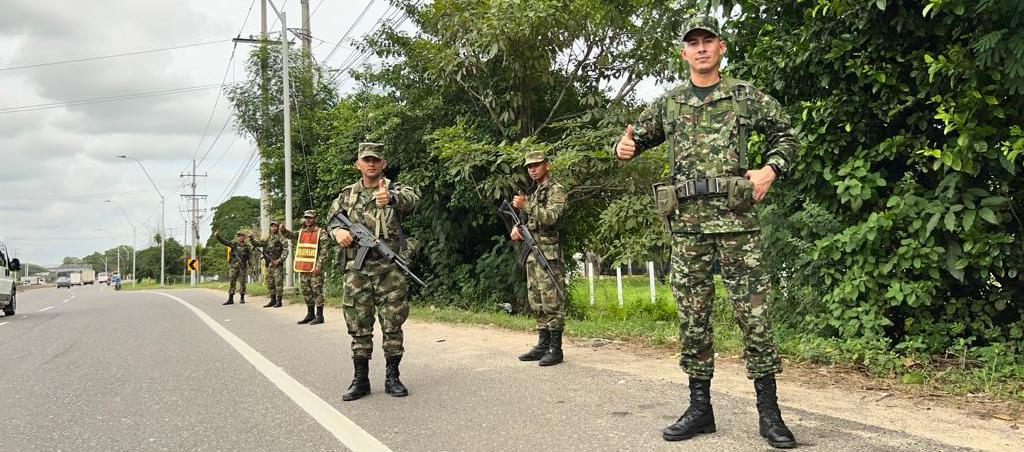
point(117, 249)
point(134, 247)
point(163, 234)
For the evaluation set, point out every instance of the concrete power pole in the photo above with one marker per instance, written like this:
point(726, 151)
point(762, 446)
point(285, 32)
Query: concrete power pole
point(194, 211)
point(305, 34)
point(264, 190)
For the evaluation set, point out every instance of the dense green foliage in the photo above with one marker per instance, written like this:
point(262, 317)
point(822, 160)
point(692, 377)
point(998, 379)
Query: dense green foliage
point(897, 232)
point(236, 214)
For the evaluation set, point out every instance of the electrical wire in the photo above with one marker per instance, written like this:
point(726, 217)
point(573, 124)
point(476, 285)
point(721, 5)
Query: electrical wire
point(348, 32)
point(116, 55)
point(106, 99)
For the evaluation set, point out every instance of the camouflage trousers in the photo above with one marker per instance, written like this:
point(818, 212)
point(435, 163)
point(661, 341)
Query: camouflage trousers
point(380, 289)
point(275, 281)
point(544, 300)
point(237, 275)
point(693, 286)
point(312, 288)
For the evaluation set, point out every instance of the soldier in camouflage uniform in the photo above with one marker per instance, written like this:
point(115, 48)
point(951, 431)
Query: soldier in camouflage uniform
point(542, 209)
point(379, 288)
point(707, 205)
point(238, 263)
point(274, 249)
point(312, 282)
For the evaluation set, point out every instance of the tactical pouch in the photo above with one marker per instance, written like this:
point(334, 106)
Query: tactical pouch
point(665, 199)
point(741, 195)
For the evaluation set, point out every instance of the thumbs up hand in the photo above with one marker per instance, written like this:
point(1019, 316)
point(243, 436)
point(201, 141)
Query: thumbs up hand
point(383, 195)
point(626, 147)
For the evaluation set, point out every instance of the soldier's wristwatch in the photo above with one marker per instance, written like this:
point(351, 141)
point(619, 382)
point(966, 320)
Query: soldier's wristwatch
point(774, 167)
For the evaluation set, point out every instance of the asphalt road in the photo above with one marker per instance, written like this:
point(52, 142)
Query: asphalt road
point(92, 369)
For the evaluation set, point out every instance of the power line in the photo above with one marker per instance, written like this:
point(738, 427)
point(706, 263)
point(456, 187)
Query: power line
point(362, 57)
point(348, 32)
point(79, 194)
point(117, 55)
point(276, 17)
point(106, 99)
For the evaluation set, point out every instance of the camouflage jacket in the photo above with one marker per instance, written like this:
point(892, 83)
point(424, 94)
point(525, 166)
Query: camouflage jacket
point(360, 205)
point(241, 253)
point(709, 139)
point(274, 247)
point(543, 208)
point(323, 241)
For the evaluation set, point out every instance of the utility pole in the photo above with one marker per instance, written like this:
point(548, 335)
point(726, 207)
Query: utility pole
point(194, 211)
point(264, 190)
point(305, 34)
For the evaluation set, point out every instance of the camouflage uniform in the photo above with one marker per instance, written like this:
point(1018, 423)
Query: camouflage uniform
point(275, 250)
point(708, 140)
point(312, 283)
point(379, 287)
point(238, 262)
point(543, 209)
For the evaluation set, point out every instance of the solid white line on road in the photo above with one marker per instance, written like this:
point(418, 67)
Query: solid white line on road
point(4, 323)
point(46, 309)
point(346, 431)
point(73, 295)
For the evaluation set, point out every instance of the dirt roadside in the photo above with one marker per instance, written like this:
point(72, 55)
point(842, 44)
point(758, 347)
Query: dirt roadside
point(829, 391)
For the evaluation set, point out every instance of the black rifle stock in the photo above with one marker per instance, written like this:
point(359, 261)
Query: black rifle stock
point(515, 220)
point(365, 240)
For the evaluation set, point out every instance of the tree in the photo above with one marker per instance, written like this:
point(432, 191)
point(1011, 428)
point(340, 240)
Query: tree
point(236, 214)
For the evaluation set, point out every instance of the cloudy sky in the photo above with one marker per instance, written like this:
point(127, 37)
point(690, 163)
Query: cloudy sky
point(57, 163)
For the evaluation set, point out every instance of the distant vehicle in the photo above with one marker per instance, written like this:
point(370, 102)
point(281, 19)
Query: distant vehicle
point(63, 281)
point(75, 279)
point(30, 280)
point(103, 278)
point(8, 288)
point(116, 279)
point(88, 276)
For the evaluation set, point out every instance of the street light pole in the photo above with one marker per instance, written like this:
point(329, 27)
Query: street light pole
point(163, 230)
point(134, 280)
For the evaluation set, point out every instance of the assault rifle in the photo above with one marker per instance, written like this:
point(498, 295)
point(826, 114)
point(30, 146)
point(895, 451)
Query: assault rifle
point(367, 241)
point(516, 220)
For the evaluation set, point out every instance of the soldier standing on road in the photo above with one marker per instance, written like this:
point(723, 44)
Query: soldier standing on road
point(707, 204)
point(379, 287)
point(543, 209)
point(275, 249)
point(238, 260)
point(311, 244)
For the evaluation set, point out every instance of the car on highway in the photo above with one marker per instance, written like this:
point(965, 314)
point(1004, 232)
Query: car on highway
point(63, 281)
point(8, 285)
point(103, 278)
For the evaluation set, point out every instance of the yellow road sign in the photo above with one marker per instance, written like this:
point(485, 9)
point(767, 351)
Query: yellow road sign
point(193, 264)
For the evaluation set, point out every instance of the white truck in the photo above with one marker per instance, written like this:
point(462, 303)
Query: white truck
point(8, 285)
point(76, 278)
point(88, 276)
point(103, 278)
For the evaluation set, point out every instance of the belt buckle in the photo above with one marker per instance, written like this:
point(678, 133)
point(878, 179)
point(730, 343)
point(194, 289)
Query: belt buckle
point(700, 186)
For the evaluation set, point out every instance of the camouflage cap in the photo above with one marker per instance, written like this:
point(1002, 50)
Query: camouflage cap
point(701, 22)
point(274, 222)
point(371, 150)
point(535, 157)
point(309, 214)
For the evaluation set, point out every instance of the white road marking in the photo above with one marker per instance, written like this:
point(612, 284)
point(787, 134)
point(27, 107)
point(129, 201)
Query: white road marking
point(347, 432)
point(4, 323)
point(73, 295)
point(46, 309)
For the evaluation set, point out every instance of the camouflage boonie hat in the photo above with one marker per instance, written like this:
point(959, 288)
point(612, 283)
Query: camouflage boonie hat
point(371, 150)
point(309, 214)
point(535, 157)
point(703, 22)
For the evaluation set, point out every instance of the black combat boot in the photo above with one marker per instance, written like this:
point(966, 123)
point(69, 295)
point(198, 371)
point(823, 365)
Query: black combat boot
point(773, 429)
point(309, 315)
point(392, 385)
point(319, 316)
point(538, 351)
point(360, 380)
point(270, 303)
point(241, 298)
point(231, 299)
point(277, 304)
point(698, 418)
point(554, 353)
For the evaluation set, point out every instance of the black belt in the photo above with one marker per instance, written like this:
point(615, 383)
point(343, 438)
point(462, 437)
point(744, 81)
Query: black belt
point(704, 186)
